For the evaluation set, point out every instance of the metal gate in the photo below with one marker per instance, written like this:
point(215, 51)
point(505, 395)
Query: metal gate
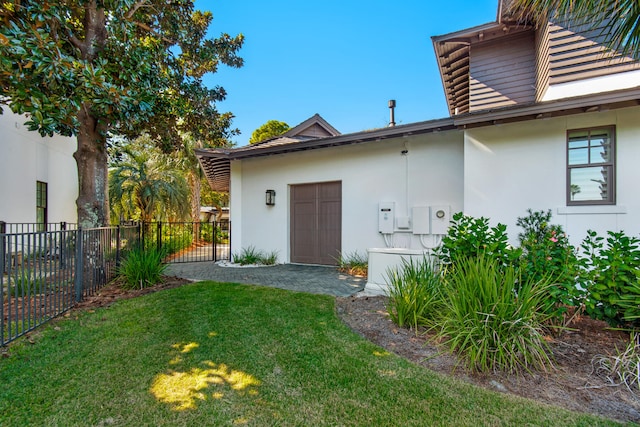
point(190, 241)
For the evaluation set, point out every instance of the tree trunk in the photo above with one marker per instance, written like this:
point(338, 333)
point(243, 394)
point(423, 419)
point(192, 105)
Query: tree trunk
point(91, 160)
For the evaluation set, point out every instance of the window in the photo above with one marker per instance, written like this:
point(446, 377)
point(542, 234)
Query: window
point(41, 205)
point(591, 175)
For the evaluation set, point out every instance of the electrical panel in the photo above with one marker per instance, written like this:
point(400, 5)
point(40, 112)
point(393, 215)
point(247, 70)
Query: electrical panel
point(386, 216)
point(421, 220)
point(440, 219)
point(403, 223)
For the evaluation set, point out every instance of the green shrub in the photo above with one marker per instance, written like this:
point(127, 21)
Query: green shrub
point(490, 319)
point(251, 255)
point(25, 286)
point(270, 258)
point(142, 267)
point(353, 263)
point(414, 293)
point(472, 237)
point(548, 255)
point(611, 273)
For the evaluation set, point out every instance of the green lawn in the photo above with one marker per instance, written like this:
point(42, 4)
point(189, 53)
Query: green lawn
point(227, 354)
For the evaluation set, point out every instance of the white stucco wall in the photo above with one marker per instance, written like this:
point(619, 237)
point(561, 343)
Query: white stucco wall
point(510, 168)
point(26, 157)
point(431, 173)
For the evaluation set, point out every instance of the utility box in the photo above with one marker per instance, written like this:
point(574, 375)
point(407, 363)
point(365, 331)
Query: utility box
point(386, 217)
point(440, 219)
point(421, 220)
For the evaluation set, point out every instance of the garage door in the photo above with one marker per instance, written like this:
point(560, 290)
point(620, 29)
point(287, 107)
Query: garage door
point(316, 222)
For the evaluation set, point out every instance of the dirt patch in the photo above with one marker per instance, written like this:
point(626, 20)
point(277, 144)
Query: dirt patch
point(114, 292)
point(572, 384)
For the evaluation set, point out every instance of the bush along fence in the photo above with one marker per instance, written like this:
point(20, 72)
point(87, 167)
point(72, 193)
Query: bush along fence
point(45, 269)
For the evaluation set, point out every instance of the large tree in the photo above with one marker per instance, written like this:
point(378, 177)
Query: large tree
point(268, 130)
point(99, 68)
point(622, 32)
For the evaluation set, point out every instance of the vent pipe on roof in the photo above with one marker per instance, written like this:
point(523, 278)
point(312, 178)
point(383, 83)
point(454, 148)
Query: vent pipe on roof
point(392, 106)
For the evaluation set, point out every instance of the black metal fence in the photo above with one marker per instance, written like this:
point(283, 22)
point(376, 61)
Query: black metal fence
point(45, 273)
point(46, 269)
point(190, 241)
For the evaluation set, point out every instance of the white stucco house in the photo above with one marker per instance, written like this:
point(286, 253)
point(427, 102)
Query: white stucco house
point(38, 177)
point(542, 116)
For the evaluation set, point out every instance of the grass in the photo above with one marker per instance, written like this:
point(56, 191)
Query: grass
point(226, 354)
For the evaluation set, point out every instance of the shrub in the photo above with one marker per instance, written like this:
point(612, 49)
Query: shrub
point(251, 255)
point(353, 263)
point(270, 258)
point(414, 293)
point(247, 256)
point(472, 237)
point(611, 273)
point(547, 254)
point(142, 267)
point(24, 286)
point(490, 319)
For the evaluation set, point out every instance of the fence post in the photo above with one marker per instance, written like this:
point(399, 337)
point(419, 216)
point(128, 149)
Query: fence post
point(79, 264)
point(117, 247)
point(159, 236)
point(3, 251)
point(2, 266)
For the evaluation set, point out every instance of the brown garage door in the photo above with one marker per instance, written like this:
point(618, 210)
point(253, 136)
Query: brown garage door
point(316, 222)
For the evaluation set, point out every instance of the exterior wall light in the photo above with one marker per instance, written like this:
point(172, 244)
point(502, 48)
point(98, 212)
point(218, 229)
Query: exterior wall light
point(270, 197)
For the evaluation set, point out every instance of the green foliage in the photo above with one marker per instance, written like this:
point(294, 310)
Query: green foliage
point(353, 263)
point(548, 255)
point(472, 237)
point(25, 286)
point(491, 318)
point(142, 268)
point(145, 185)
point(113, 69)
point(611, 273)
point(415, 293)
point(621, 34)
point(253, 256)
point(268, 130)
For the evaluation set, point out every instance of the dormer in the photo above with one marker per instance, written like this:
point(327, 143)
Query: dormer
point(515, 62)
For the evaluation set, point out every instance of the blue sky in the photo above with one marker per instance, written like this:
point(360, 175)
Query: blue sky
point(341, 59)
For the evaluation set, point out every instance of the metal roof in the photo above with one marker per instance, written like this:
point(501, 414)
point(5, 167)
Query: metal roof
point(216, 162)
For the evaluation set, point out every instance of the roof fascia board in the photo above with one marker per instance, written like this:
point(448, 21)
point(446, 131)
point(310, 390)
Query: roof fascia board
point(376, 135)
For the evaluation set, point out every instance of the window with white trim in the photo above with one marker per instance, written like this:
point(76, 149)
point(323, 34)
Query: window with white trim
point(591, 177)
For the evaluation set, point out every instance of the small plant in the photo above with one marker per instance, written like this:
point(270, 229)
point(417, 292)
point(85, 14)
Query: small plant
point(491, 319)
point(623, 368)
point(472, 237)
point(611, 273)
point(248, 256)
point(547, 254)
point(26, 287)
point(414, 293)
point(270, 258)
point(353, 263)
point(142, 267)
point(253, 256)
